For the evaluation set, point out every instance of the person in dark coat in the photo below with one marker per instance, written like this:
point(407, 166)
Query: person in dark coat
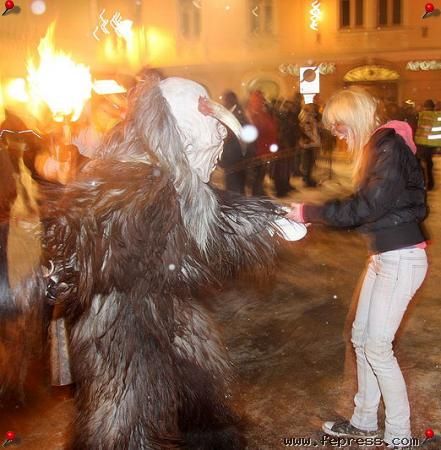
point(426, 120)
point(267, 130)
point(309, 142)
point(287, 139)
point(235, 154)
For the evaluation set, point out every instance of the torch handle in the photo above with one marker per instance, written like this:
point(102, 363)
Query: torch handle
point(67, 133)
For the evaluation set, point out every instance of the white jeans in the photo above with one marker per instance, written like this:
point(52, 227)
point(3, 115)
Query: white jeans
point(391, 280)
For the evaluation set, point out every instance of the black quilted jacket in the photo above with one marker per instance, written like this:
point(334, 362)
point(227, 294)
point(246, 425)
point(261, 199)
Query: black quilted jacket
point(390, 202)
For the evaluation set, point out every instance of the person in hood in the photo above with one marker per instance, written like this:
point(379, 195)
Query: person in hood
point(387, 206)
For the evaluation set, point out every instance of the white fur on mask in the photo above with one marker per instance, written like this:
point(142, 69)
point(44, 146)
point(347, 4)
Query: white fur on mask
point(201, 135)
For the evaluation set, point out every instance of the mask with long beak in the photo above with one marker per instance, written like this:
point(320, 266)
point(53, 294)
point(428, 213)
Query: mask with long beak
point(201, 123)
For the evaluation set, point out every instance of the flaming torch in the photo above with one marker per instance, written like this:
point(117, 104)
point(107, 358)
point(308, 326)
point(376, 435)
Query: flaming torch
point(59, 83)
point(63, 86)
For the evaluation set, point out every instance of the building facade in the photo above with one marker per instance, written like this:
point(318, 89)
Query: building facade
point(385, 45)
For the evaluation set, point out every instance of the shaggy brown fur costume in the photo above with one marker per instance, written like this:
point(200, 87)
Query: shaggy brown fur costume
point(130, 241)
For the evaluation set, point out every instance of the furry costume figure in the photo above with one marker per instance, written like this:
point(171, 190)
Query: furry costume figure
point(130, 242)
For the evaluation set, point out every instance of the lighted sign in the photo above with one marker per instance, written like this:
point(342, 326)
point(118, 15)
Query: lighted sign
point(424, 65)
point(120, 26)
point(315, 14)
point(104, 87)
point(309, 80)
point(324, 68)
point(371, 73)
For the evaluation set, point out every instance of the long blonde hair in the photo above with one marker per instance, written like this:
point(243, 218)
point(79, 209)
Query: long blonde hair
point(359, 111)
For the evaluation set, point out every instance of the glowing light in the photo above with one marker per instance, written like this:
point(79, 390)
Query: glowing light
point(137, 46)
point(424, 65)
point(2, 107)
point(16, 90)
point(38, 7)
point(102, 25)
point(324, 68)
point(120, 26)
point(273, 148)
point(315, 14)
point(105, 87)
point(58, 82)
point(248, 133)
point(124, 29)
point(371, 73)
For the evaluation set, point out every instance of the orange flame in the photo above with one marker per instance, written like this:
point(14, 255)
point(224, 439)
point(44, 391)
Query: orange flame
point(58, 82)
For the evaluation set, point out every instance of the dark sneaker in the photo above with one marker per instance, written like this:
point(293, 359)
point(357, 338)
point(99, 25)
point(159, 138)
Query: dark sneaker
point(344, 428)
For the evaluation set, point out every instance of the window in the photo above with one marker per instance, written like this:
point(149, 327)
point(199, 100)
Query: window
point(396, 12)
point(382, 12)
point(190, 18)
point(262, 16)
point(345, 13)
point(359, 13)
point(351, 13)
point(389, 12)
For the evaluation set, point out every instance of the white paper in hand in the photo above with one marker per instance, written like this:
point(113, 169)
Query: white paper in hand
point(290, 230)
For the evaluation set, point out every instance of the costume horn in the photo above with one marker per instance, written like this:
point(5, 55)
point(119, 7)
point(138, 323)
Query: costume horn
point(48, 271)
point(210, 108)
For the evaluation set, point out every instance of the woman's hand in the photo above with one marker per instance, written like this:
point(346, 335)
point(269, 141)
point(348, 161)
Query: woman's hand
point(296, 213)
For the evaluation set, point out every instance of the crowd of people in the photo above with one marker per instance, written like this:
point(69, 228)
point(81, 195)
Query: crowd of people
point(289, 140)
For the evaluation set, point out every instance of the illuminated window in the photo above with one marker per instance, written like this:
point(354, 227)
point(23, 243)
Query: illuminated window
point(351, 13)
point(389, 12)
point(190, 18)
point(261, 16)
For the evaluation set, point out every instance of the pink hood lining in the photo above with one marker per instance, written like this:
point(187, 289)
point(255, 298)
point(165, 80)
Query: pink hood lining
point(404, 130)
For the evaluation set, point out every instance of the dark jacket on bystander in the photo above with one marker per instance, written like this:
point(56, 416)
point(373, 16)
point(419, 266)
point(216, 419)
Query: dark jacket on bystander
point(390, 201)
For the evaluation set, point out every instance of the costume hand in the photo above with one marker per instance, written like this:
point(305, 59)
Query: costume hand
point(296, 212)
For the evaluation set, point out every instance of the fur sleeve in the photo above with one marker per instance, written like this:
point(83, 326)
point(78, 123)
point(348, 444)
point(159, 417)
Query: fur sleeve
point(108, 231)
point(248, 235)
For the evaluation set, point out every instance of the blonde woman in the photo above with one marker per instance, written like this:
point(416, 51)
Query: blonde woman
point(387, 206)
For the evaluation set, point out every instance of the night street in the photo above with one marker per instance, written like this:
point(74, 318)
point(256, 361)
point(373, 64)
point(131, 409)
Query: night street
point(289, 340)
point(130, 284)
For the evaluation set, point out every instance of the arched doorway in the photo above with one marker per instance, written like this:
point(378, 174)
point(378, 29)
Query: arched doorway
point(269, 87)
point(381, 81)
